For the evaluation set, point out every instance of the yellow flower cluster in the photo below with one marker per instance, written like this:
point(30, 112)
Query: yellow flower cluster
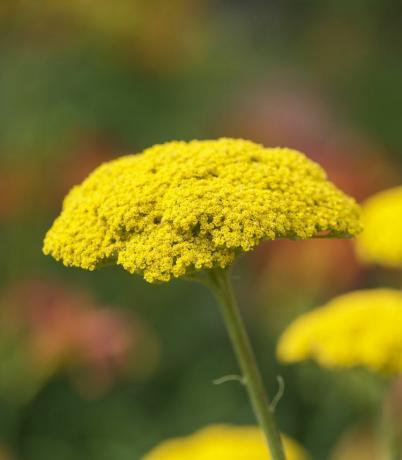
point(381, 241)
point(222, 442)
point(180, 207)
point(358, 329)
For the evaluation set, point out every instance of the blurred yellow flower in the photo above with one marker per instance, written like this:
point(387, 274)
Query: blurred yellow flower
point(381, 241)
point(185, 206)
point(222, 442)
point(361, 328)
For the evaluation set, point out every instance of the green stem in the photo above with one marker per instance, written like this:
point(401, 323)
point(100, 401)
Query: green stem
point(222, 288)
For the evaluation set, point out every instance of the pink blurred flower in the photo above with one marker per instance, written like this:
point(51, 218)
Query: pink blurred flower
point(73, 167)
point(41, 184)
point(66, 330)
point(311, 267)
point(16, 186)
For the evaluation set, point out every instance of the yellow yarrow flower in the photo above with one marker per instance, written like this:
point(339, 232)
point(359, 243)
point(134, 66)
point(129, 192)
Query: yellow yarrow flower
point(222, 442)
point(358, 329)
point(381, 241)
point(186, 206)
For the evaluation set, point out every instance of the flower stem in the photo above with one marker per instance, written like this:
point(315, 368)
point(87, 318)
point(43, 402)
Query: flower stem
point(221, 285)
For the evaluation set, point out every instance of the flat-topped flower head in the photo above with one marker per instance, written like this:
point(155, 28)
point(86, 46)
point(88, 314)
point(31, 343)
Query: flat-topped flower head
point(381, 241)
point(180, 207)
point(222, 442)
point(359, 329)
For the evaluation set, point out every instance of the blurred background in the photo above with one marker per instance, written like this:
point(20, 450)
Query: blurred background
point(103, 365)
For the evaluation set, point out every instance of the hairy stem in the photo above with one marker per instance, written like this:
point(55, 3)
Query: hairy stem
point(221, 285)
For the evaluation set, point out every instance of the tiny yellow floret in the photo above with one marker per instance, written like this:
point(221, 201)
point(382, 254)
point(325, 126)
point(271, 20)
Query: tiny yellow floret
point(381, 240)
point(358, 329)
point(180, 207)
point(222, 442)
